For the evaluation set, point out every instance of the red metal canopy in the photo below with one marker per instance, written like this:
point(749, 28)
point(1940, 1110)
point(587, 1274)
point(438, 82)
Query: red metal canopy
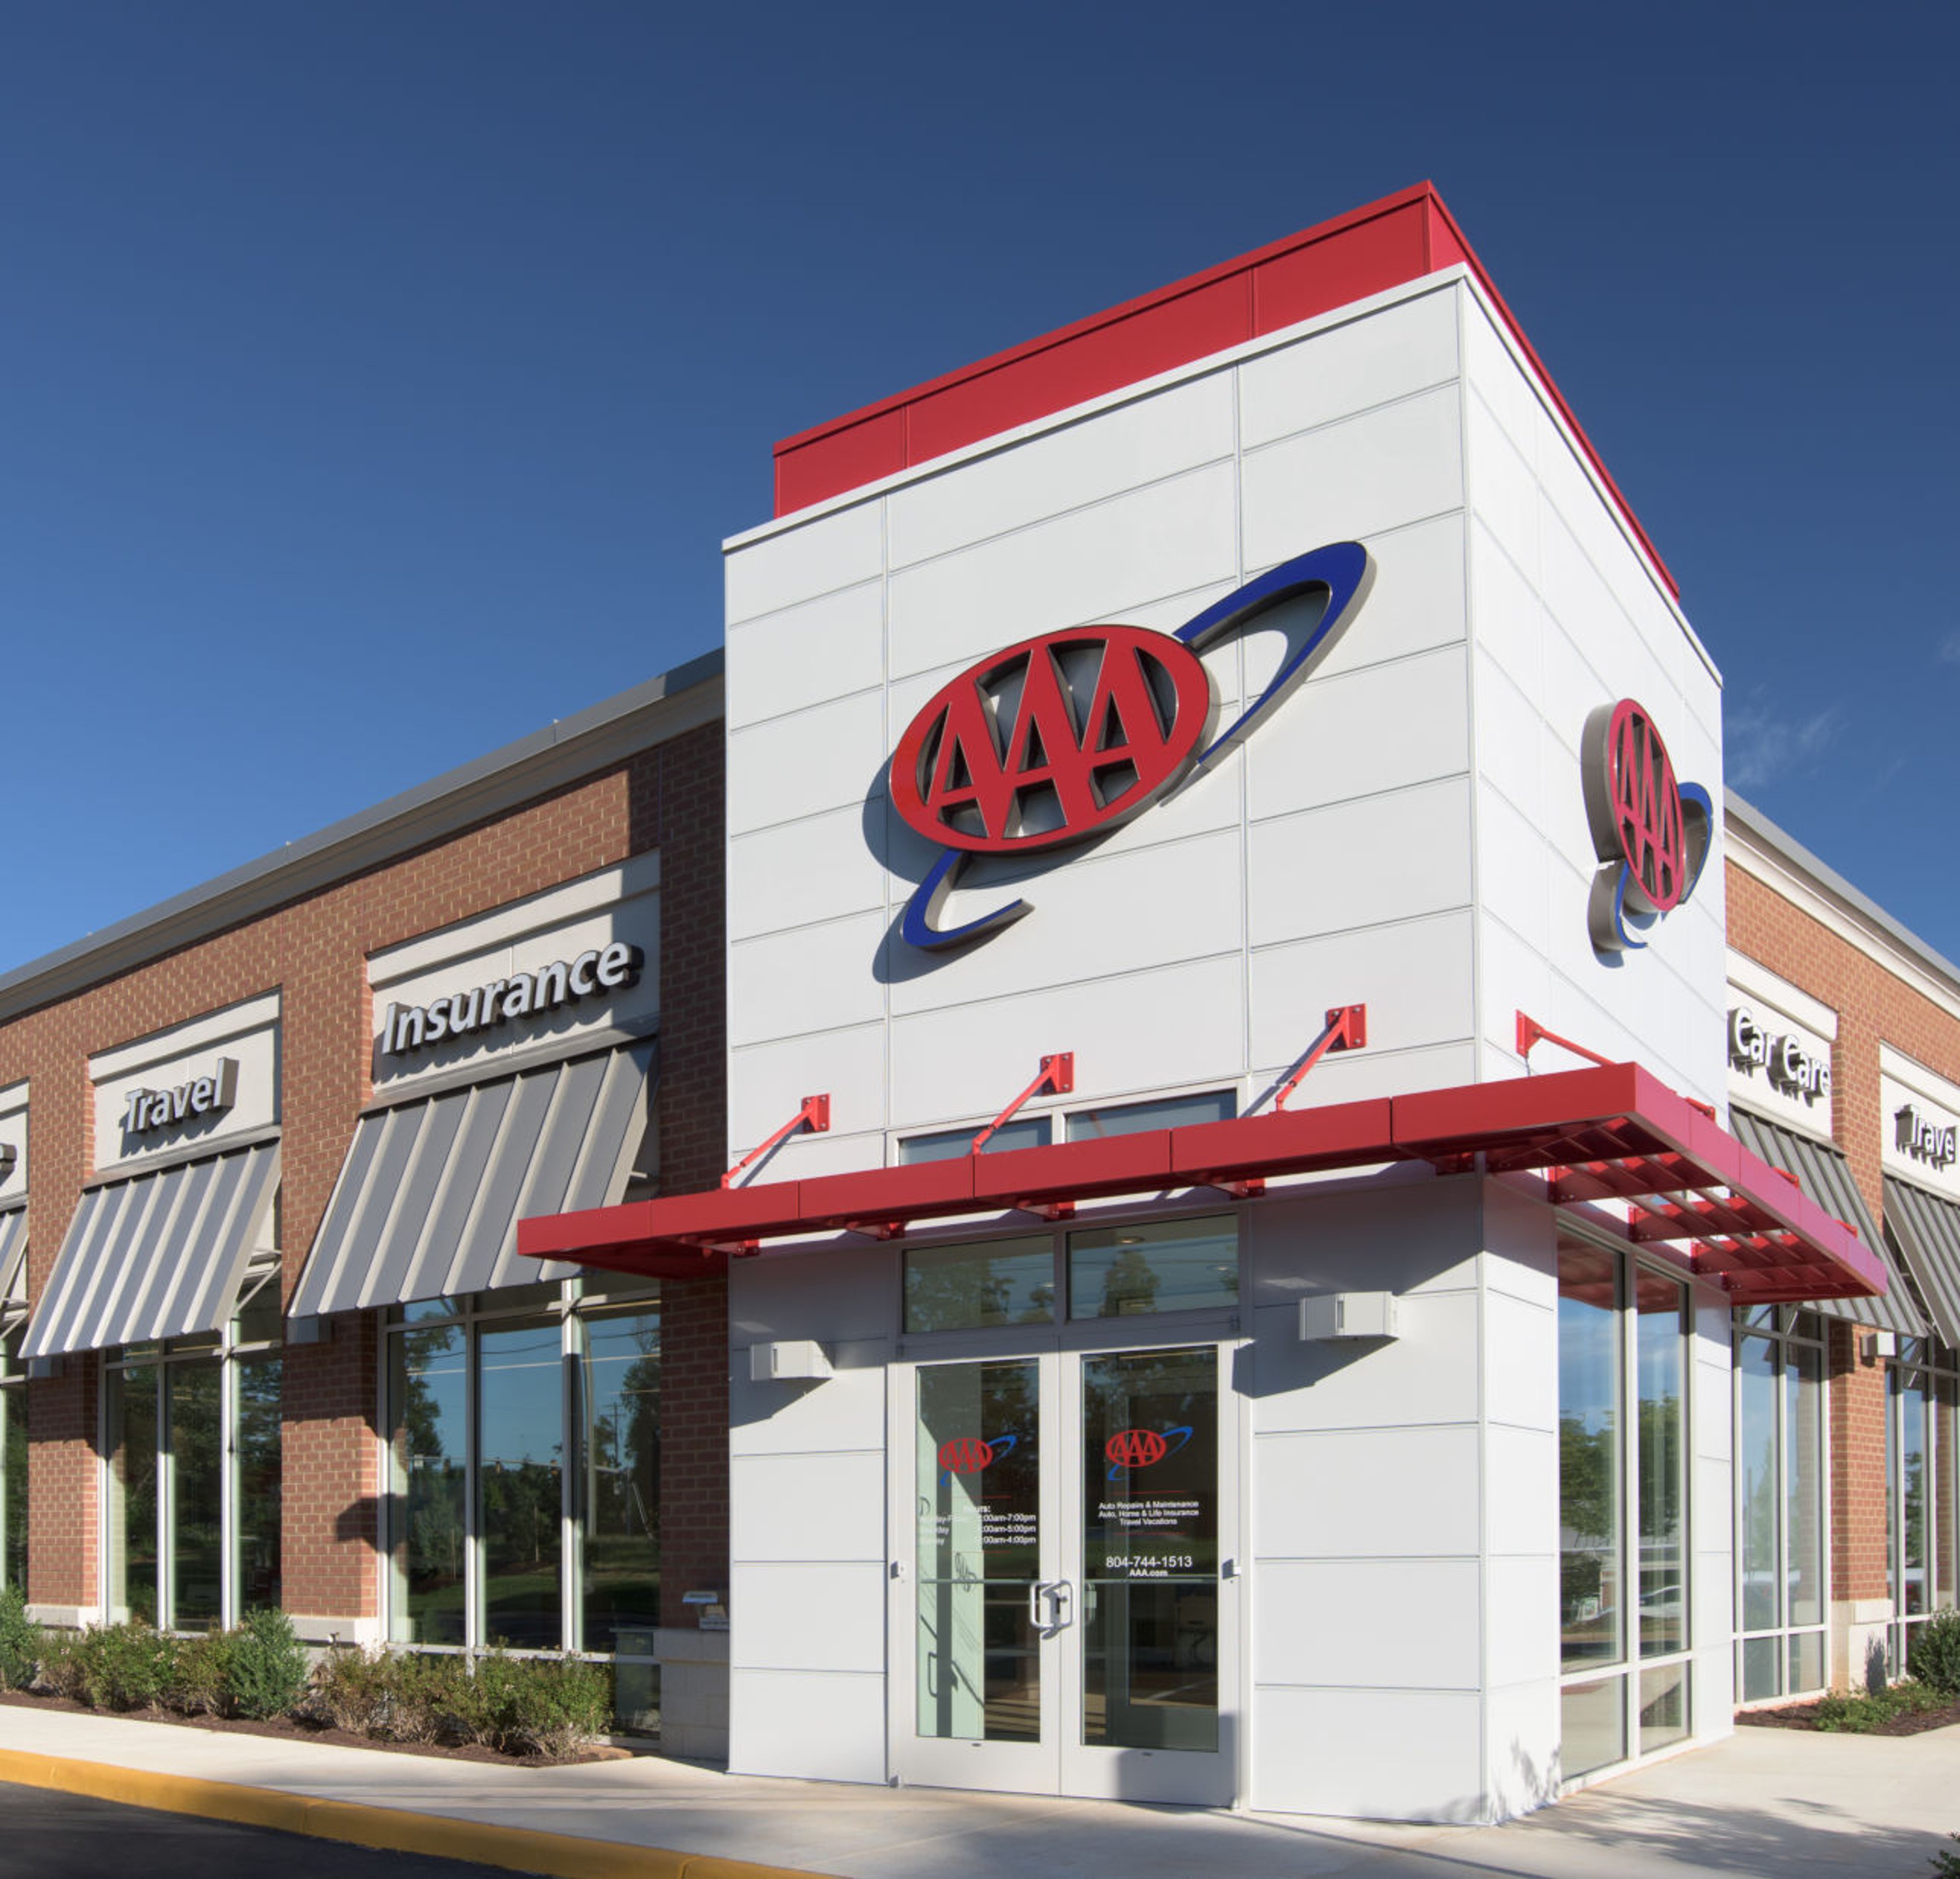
point(1695, 1194)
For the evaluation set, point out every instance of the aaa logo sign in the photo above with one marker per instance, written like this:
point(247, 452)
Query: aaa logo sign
point(965, 1454)
point(1061, 737)
point(1054, 739)
point(1650, 829)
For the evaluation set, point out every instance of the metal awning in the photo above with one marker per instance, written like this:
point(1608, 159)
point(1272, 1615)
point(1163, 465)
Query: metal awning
point(1616, 1141)
point(13, 1252)
point(157, 1255)
point(1928, 1231)
point(429, 1197)
point(1826, 1177)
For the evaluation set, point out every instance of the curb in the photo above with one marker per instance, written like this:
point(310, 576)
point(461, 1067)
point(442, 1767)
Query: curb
point(388, 1829)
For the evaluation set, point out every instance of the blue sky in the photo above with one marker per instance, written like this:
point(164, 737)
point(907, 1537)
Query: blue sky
point(378, 381)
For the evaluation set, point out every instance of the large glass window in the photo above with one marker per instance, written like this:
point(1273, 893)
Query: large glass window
point(1922, 1385)
point(979, 1284)
point(524, 1493)
point(1154, 1266)
point(1779, 1478)
point(193, 1478)
point(13, 1463)
point(1623, 1548)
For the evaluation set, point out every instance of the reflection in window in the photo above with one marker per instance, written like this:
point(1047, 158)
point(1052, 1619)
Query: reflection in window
point(132, 1481)
point(1590, 1606)
point(521, 1417)
point(1922, 1475)
point(980, 1283)
point(619, 1481)
point(1662, 1357)
point(1154, 1266)
point(13, 1465)
point(196, 1510)
point(431, 1420)
point(1024, 1132)
point(256, 1564)
point(1162, 1112)
point(1779, 1502)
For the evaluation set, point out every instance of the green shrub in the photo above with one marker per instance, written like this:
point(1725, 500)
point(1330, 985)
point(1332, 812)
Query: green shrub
point(556, 1706)
point(1861, 1714)
point(19, 1641)
point(1947, 1865)
point(123, 1666)
point(197, 1682)
point(266, 1670)
point(350, 1689)
point(1935, 1657)
point(61, 1668)
point(422, 1695)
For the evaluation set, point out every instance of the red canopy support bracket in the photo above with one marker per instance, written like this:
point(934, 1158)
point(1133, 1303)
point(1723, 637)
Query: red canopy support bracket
point(1057, 1073)
point(1347, 1029)
point(1047, 1209)
point(1530, 1031)
point(815, 1115)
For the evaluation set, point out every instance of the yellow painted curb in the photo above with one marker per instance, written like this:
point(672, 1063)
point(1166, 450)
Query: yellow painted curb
point(392, 1830)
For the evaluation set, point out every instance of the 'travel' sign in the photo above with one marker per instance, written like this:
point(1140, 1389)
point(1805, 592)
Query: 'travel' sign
point(1937, 1144)
point(1060, 738)
point(1651, 830)
point(151, 1111)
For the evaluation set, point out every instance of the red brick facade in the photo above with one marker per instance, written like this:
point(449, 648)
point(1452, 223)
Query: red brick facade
point(1874, 1005)
point(313, 951)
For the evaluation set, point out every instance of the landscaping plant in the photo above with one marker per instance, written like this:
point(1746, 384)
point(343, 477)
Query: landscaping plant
point(197, 1683)
point(123, 1666)
point(266, 1666)
point(19, 1641)
point(1934, 1658)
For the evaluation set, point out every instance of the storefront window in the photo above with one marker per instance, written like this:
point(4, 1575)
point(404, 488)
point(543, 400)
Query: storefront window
point(13, 1463)
point(1920, 1480)
point(982, 1284)
point(1155, 1266)
point(194, 1480)
point(1779, 1502)
point(1622, 1421)
point(524, 1509)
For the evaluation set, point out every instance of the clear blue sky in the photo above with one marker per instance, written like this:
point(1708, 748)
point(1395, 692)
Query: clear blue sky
point(378, 381)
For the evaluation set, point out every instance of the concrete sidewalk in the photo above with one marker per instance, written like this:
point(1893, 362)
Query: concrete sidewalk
point(1768, 1802)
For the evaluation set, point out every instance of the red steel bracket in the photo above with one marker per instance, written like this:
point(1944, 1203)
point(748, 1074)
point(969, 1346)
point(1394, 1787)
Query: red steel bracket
point(1047, 1209)
point(1530, 1032)
point(1347, 1029)
point(815, 1115)
point(1058, 1074)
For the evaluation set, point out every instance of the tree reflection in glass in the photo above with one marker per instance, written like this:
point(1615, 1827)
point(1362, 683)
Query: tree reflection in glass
point(430, 1403)
point(1590, 1619)
point(521, 1371)
point(618, 1464)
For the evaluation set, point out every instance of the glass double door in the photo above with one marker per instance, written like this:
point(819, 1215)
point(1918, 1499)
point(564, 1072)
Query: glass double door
point(1064, 1600)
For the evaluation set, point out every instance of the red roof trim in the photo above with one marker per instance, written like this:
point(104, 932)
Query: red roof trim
point(1381, 245)
point(1696, 1195)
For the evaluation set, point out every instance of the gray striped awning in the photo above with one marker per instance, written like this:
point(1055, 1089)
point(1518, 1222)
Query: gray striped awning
point(1825, 1176)
point(1928, 1230)
point(13, 1250)
point(158, 1255)
point(429, 1197)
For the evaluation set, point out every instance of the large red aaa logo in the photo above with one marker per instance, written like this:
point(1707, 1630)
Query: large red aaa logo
point(965, 1454)
point(1647, 807)
point(1056, 738)
point(1135, 1448)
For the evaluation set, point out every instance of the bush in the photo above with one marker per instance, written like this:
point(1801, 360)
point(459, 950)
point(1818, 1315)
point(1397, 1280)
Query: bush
point(198, 1683)
point(265, 1668)
point(1947, 1865)
point(19, 1641)
point(423, 1698)
point(350, 1688)
point(1935, 1657)
point(555, 1706)
point(1861, 1715)
point(124, 1666)
point(61, 1670)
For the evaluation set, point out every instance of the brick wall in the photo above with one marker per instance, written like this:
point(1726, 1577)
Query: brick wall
point(1873, 1005)
point(314, 952)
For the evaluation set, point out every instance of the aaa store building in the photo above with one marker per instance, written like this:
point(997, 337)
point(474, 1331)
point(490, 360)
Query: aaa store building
point(1182, 1321)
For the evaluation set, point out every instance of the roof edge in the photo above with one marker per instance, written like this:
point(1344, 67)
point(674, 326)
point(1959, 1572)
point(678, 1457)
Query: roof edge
point(688, 694)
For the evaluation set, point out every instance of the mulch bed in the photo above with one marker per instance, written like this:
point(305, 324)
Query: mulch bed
point(293, 1729)
point(1804, 1716)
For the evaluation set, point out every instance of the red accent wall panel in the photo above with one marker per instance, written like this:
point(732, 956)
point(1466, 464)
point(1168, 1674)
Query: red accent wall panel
point(1400, 238)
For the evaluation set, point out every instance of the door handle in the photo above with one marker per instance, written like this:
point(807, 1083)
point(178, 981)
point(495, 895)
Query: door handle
point(1062, 1599)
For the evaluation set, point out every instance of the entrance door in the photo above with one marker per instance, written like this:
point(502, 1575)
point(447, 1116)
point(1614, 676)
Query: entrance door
point(1061, 1609)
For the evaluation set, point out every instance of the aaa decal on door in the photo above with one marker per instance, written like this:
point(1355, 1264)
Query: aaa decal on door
point(1058, 739)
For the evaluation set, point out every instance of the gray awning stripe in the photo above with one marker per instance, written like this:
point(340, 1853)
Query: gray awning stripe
point(159, 1255)
point(431, 1194)
point(13, 1250)
point(1825, 1176)
point(1928, 1230)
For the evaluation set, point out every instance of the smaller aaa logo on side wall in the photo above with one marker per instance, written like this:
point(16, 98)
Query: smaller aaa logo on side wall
point(1651, 830)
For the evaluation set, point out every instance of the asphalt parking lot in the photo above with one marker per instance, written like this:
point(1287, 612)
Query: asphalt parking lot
point(46, 1834)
